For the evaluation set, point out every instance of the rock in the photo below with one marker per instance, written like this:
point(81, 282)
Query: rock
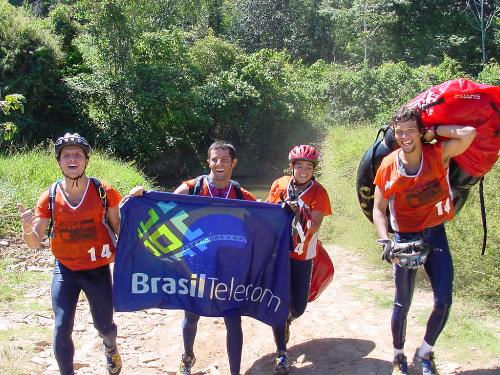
point(211, 370)
point(41, 344)
point(4, 243)
point(301, 358)
point(149, 358)
point(79, 365)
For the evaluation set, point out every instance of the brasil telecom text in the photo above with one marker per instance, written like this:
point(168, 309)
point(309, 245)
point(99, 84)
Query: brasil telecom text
point(197, 285)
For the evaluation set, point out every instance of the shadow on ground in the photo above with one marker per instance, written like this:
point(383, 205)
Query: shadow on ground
point(328, 356)
point(481, 372)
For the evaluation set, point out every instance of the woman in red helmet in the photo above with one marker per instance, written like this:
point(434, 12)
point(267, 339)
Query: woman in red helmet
point(310, 203)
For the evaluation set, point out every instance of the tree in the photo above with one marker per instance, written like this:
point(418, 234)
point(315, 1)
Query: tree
point(364, 27)
point(484, 12)
point(295, 25)
point(14, 102)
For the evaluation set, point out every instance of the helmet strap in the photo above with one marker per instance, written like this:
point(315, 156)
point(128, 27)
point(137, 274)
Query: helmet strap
point(75, 179)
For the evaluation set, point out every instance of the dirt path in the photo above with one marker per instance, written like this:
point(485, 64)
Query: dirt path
point(340, 333)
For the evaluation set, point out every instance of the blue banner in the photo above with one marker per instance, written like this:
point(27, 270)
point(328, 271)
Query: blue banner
point(211, 256)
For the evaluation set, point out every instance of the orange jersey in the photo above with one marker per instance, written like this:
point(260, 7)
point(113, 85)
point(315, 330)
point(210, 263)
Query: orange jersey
point(230, 192)
point(420, 201)
point(82, 240)
point(314, 198)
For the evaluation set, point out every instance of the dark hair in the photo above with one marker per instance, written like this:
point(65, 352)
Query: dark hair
point(224, 146)
point(405, 114)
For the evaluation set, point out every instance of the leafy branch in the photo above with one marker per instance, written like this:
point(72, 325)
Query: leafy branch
point(13, 102)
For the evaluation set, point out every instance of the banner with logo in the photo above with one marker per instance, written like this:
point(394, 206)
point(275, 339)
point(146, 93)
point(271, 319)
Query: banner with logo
point(211, 256)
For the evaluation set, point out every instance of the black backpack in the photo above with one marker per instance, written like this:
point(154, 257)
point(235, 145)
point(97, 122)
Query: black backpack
point(52, 195)
point(196, 188)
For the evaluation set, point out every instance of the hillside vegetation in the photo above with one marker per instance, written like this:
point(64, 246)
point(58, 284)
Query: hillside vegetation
point(157, 81)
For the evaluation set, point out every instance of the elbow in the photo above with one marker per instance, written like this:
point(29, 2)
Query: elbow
point(471, 132)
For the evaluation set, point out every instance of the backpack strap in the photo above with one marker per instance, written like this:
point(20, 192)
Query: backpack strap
point(198, 185)
point(52, 197)
point(237, 189)
point(101, 192)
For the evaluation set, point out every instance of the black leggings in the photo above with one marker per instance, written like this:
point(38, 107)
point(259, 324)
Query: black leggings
point(300, 283)
point(439, 268)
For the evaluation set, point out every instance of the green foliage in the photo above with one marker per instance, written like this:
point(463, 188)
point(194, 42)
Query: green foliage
point(372, 94)
point(490, 74)
point(364, 27)
point(24, 176)
point(341, 152)
point(30, 58)
point(476, 276)
point(294, 25)
point(8, 130)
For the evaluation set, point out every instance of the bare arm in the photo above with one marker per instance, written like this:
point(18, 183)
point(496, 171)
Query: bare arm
point(317, 219)
point(379, 216)
point(114, 219)
point(33, 228)
point(182, 189)
point(461, 138)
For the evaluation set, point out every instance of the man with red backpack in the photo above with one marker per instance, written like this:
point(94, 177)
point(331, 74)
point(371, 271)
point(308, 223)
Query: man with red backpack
point(311, 203)
point(413, 183)
point(82, 218)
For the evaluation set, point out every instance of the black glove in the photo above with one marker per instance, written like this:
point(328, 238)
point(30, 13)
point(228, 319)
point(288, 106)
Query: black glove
point(411, 254)
point(388, 250)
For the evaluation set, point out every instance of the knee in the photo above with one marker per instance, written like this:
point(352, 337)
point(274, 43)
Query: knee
point(401, 308)
point(442, 307)
point(63, 328)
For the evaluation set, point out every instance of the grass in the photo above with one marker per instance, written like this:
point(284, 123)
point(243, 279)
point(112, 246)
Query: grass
point(17, 343)
point(342, 150)
point(13, 284)
point(16, 348)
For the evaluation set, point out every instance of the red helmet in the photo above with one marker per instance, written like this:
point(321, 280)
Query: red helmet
point(303, 152)
point(72, 140)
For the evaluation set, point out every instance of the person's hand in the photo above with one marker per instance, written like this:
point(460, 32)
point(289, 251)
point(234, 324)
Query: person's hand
point(27, 218)
point(429, 134)
point(293, 206)
point(387, 251)
point(136, 191)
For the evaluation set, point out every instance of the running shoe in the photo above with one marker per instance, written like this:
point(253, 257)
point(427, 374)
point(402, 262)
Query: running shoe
point(400, 365)
point(427, 366)
point(281, 365)
point(187, 362)
point(113, 361)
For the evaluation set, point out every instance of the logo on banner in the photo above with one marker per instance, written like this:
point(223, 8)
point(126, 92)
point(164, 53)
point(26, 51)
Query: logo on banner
point(201, 286)
point(171, 234)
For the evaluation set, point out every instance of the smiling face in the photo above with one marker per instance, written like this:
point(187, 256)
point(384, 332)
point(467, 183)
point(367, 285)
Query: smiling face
point(408, 136)
point(221, 166)
point(303, 171)
point(73, 161)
